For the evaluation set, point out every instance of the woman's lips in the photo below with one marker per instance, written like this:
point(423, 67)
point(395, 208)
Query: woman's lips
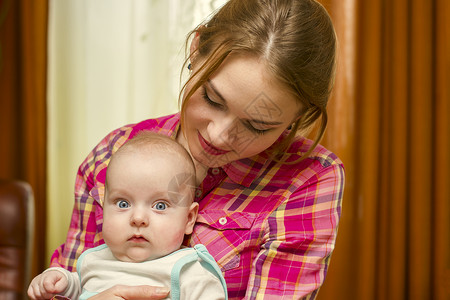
point(210, 149)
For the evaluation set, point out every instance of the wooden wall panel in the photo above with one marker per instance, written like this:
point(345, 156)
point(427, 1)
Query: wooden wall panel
point(23, 133)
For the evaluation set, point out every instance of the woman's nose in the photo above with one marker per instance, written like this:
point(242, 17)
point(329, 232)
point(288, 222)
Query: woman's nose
point(223, 132)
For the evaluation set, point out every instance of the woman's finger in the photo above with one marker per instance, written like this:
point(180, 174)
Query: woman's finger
point(141, 292)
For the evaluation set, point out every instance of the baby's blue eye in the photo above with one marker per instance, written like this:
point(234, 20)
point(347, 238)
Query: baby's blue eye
point(160, 206)
point(122, 204)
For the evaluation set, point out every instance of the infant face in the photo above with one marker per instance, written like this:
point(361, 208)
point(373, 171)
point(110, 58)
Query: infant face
point(148, 205)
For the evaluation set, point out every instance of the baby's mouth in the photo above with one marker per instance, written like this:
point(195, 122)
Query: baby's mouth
point(137, 239)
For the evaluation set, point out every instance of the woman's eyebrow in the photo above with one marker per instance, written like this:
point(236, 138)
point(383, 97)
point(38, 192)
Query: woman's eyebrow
point(264, 122)
point(211, 85)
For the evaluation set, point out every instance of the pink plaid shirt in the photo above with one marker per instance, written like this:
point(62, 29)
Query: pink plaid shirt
point(271, 227)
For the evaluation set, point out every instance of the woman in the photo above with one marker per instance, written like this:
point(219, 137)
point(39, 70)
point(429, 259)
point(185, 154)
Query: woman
point(269, 199)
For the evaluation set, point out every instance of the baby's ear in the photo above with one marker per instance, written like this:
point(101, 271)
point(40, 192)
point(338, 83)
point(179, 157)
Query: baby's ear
point(192, 216)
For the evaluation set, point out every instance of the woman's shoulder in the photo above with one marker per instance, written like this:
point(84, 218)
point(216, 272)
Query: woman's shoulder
point(321, 164)
point(164, 125)
point(300, 147)
point(115, 139)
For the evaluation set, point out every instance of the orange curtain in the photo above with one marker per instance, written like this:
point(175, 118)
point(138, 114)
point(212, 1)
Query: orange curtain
point(390, 124)
point(23, 47)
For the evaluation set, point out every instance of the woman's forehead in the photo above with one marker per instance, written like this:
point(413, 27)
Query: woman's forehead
point(245, 81)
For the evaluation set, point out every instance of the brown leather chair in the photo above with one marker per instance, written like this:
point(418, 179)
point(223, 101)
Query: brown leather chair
point(16, 234)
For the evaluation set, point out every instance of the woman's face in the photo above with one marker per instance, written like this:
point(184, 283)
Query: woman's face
point(239, 112)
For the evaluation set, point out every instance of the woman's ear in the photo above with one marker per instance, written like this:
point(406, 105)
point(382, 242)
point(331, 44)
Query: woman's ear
point(194, 46)
point(192, 216)
point(194, 43)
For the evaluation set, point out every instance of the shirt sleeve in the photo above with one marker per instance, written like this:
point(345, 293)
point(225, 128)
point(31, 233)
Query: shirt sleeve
point(299, 237)
point(87, 215)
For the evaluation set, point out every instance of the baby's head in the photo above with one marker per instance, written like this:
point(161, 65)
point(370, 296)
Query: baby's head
point(149, 192)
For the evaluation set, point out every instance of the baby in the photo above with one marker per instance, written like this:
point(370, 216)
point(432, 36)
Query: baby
point(148, 209)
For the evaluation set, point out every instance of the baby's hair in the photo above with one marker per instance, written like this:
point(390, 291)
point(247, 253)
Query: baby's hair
point(157, 141)
point(154, 142)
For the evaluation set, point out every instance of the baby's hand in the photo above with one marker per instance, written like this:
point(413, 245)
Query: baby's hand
point(46, 285)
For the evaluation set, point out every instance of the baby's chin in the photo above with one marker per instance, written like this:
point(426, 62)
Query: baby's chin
point(137, 255)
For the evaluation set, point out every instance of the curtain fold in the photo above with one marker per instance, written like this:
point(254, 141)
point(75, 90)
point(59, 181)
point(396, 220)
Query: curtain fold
point(441, 142)
point(421, 148)
point(23, 55)
point(394, 236)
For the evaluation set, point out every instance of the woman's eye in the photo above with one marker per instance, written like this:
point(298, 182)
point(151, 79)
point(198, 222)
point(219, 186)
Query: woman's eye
point(160, 206)
point(122, 204)
point(222, 107)
point(255, 130)
point(209, 101)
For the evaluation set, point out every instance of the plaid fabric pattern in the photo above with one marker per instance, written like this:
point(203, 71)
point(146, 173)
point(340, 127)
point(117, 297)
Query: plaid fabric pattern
point(271, 227)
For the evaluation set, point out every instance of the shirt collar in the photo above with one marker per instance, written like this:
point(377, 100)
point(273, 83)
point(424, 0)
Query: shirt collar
point(245, 171)
point(174, 127)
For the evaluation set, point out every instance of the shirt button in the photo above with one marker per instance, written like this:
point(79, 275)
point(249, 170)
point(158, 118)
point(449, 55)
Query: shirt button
point(198, 193)
point(223, 221)
point(215, 171)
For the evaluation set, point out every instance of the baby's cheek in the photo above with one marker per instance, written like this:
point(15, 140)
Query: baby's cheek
point(174, 239)
point(110, 232)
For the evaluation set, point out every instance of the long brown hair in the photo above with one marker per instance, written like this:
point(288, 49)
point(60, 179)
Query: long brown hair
point(296, 40)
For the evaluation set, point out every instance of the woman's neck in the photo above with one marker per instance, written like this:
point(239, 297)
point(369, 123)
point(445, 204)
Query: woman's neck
point(200, 169)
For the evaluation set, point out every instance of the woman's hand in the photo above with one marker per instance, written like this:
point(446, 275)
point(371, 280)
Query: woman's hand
point(141, 292)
